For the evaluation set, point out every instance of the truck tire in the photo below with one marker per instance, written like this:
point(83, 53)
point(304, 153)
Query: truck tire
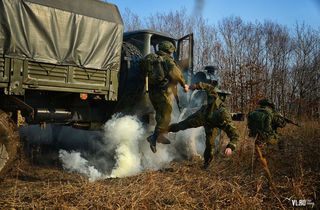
point(130, 84)
point(129, 72)
point(130, 50)
point(9, 142)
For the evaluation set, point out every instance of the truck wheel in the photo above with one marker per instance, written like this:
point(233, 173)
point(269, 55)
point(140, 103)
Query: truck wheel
point(9, 141)
point(130, 84)
point(130, 72)
point(130, 50)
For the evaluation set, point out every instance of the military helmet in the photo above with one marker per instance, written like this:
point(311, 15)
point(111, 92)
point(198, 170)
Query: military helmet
point(266, 102)
point(167, 46)
point(211, 69)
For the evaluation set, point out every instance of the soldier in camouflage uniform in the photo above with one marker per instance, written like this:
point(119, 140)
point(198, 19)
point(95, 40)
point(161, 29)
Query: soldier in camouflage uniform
point(160, 93)
point(212, 116)
point(267, 133)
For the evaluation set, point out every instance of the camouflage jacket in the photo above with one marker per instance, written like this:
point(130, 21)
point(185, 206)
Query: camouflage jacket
point(174, 73)
point(277, 120)
point(213, 100)
point(270, 133)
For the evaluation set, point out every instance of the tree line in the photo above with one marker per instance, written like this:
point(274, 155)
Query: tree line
point(256, 60)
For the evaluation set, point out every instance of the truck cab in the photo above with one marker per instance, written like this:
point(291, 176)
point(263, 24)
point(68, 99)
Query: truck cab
point(136, 45)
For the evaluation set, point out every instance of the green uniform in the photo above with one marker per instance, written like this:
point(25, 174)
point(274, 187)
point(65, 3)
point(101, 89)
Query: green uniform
point(267, 134)
point(212, 116)
point(160, 95)
point(277, 120)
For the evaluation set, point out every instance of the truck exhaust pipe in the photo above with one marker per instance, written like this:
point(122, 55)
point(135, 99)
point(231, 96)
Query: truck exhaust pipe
point(52, 115)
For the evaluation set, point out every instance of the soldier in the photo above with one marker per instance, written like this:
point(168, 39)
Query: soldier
point(212, 116)
point(263, 123)
point(163, 74)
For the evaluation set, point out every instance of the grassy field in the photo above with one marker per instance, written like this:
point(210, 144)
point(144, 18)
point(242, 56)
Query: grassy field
point(238, 182)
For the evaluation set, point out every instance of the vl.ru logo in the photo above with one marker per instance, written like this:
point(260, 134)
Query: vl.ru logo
point(301, 202)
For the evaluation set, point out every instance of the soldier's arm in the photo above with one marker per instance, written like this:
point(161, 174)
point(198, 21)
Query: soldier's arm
point(233, 142)
point(278, 120)
point(180, 77)
point(175, 72)
point(210, 89)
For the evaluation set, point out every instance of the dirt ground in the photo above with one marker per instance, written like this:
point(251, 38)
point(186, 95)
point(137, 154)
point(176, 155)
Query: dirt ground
point(237, 182)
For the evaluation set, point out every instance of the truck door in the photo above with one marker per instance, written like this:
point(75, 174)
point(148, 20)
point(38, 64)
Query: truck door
point(184, 56)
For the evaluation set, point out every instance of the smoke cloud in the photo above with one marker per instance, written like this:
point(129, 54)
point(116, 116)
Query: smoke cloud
point(75, 163)
point(125, 138)
point(120, 150)
point(124, 135)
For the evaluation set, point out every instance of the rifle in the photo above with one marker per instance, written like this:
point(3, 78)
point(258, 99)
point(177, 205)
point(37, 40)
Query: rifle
point(291, 122)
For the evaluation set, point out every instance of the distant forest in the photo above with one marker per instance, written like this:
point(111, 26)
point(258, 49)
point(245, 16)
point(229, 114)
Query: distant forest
point(256, 60)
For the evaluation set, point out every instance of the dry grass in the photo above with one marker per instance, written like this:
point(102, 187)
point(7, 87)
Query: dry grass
point(231, 183)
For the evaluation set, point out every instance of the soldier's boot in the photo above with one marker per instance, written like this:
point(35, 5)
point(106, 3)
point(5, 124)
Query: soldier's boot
point(162, 139)
point(207, 162)
point(153, 141)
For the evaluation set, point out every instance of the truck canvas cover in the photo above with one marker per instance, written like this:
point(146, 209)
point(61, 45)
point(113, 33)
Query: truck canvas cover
point(83, 33)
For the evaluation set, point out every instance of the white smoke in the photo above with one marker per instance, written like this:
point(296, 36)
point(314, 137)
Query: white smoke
point(124, 134)
point(192, 140)
point(189, 142)
point(120, 150)
point(75, 163)
point(125, 137)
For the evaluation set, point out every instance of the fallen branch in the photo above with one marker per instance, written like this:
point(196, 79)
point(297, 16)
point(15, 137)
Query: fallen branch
point(266, 168)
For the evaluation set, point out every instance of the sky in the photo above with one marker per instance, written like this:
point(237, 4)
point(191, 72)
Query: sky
point(284, 12)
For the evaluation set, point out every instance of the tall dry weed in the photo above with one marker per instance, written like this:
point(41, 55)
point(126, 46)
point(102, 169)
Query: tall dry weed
point(231, 183)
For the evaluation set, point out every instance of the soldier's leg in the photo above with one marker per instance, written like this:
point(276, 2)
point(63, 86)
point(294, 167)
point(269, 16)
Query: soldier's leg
point(211, 134)
point(195, 120)
point(164, 124)
point(163, 108)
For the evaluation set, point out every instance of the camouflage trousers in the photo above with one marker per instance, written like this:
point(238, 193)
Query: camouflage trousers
point(220, 119)
point(162, 104)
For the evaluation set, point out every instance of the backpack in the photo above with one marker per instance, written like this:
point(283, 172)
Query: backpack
point(154, 66)
point(260, 122)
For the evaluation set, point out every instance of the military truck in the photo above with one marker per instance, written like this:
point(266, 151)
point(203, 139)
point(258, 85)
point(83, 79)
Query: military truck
point(69, 62)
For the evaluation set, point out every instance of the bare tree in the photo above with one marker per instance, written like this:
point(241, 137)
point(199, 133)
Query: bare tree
point(277, 60)
point(206, 41)
point(131, 21)
point(305, 87)
point(256, 60)
point(176, 23)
